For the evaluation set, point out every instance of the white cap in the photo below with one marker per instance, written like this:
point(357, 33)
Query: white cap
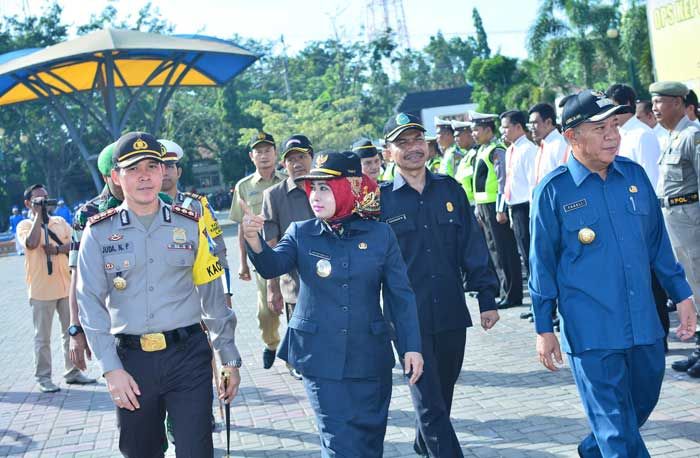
point(173, 151)
point(441, 122)
point(460, 125)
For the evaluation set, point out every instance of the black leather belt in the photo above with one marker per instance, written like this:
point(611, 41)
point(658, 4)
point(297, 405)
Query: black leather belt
point(157, 341)
point(672, 201)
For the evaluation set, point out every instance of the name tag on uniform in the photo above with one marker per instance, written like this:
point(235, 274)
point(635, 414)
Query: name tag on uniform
point(319, 255)
point(115, 248)
point(181, 246)
point(396, 219)
point(575, 205)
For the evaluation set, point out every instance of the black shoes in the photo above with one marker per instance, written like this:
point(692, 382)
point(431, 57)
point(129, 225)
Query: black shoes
point(505, 304)
point(694, 370)
point(526, 315)
point(268, 358)
point(684, 364)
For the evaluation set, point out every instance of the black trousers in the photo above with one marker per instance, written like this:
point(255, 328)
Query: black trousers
point(501, 243)
point(443, 355)
point(520, 221)
point(177, 380)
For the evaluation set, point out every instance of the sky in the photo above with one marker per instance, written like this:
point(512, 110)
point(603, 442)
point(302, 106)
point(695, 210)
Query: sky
point(506, 21)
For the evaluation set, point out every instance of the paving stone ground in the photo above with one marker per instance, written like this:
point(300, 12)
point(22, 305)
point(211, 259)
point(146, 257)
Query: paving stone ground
point(505, 403)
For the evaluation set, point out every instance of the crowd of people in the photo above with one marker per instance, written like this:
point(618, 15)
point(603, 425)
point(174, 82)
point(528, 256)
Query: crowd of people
point(594, 207)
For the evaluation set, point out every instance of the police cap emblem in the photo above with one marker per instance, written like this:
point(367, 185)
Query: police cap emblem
point(402, 118)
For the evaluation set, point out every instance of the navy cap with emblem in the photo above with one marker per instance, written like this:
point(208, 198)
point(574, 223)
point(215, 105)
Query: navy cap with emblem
point(364, 148)
point(261, 137)
point(587, 106)
point(297, 143)
point(332, 164)
point(399, 123)
point(133, 147)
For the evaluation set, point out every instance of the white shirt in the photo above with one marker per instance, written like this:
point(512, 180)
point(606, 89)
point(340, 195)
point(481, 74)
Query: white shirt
point(551, 154)
point(520, 165)
point(639, 143)
point(661, 135)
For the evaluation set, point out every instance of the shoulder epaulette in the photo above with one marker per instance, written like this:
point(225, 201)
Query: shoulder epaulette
point(102, 216)
point(552, 175)
point(193, 195)
point(186, 212)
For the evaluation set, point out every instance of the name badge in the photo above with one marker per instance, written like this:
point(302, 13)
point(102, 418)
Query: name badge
point(396, 219)
point(319, 255)
point(575, 205)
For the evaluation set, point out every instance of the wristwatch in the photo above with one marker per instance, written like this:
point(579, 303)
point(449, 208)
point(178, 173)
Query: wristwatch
point(74, 330)
point(234, 363)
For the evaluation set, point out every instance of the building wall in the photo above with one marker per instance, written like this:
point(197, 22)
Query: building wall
point(428, 114)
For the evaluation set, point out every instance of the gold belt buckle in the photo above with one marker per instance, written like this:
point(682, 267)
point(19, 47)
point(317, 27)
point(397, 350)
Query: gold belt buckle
point(153, 342)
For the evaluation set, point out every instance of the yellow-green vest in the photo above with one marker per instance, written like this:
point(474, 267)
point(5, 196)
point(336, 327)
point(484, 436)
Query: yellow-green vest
point(389, 171)
point(434, 164)
point(465, 174)
point(490, 193)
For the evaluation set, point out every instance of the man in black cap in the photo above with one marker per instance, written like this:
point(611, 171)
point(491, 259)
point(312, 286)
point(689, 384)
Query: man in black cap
point(146, 278)
point(440, 240)
point(369, 156)
point(597, 228)
point(263, 154)
point(285, 203)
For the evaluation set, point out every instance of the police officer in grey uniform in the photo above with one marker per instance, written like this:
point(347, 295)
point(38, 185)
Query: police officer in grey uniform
point(145, 279)
point(172, 170)
point(679, 175)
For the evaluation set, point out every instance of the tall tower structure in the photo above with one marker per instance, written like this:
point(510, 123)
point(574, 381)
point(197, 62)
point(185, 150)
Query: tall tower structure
point(387, 14)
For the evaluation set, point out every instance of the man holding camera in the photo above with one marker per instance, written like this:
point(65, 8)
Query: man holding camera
point(48, 280)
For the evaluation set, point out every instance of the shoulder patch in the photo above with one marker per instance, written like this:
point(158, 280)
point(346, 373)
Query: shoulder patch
point(186, 212)
point(552, 175)
point(102, 216)
point(193, 195)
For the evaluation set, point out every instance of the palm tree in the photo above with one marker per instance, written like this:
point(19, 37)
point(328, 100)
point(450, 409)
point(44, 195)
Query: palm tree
point(575, 43)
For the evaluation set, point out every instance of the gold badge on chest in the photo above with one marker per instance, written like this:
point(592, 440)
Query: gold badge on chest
point(179, 235)
point(586, 236)
point(119, 282)
point(323, 268)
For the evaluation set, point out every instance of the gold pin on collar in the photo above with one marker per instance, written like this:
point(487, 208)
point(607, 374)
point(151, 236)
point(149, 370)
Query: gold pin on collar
point(633, 189)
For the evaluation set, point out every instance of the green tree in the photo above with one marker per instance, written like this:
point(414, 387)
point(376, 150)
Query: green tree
point(636, 48)
point(480, 42)
point(571, 41)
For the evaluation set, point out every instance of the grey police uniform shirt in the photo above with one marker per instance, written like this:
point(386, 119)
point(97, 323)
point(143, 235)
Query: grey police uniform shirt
point(219, 246)
point(679, 163)
point(158, 266)
point(679, 174)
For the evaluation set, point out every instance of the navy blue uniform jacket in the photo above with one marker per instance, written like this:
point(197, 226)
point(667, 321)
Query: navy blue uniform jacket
point(338, 330)
point(440, 241)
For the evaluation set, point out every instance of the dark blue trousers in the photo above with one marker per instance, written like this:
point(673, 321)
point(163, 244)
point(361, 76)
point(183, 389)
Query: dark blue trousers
point(177, 380)
point(351, 414)
point(443, 354)
point(619, 389)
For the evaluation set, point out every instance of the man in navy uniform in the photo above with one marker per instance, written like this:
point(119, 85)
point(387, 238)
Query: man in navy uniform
point(597, 227)
point(440, 242)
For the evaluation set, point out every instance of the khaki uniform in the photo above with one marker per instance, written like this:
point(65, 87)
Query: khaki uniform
point(250, 190)
point(679, 176)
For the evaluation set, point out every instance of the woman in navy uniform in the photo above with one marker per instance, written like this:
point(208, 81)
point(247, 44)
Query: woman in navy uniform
point(338, 338)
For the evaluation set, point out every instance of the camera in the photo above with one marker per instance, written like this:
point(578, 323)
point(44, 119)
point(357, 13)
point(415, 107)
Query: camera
point(44, 202)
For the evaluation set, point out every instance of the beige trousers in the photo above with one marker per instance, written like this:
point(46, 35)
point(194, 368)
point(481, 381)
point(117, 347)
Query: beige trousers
point(42, 314)
point(268, 321)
